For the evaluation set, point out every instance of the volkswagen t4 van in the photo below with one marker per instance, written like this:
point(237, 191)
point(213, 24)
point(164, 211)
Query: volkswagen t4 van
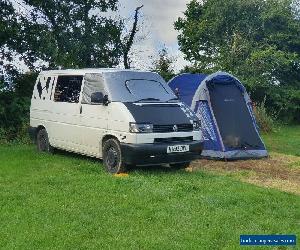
point(124, 117)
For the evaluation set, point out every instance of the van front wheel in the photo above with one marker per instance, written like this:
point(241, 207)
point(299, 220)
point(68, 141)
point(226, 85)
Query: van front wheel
point(42, 141)
point(112, 157)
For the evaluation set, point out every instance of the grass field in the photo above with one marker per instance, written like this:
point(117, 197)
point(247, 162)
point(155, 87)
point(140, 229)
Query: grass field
point(281, 170)
point(285, 140)
point(66, 201)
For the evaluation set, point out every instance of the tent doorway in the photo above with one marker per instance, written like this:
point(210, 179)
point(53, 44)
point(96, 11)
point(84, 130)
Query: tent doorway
point(233, 118)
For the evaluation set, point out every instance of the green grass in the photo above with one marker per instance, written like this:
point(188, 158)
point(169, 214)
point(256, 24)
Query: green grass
point(285, 140)
point(65, 201)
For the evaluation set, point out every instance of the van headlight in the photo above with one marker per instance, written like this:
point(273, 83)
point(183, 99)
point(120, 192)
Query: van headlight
point(140, 127)
point(196, 125)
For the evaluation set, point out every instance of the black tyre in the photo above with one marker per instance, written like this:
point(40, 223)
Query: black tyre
point(180, 165)
point(42, 141)
point(112, 157)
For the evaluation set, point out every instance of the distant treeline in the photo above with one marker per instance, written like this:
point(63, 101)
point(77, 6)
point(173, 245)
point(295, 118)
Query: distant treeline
point(257, 41)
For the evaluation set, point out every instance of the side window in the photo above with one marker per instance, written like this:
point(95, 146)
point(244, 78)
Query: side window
point(68, 89)
point(92, 83)
point(43, 88)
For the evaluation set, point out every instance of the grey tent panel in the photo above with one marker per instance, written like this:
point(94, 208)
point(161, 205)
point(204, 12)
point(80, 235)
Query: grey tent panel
point(235, 154)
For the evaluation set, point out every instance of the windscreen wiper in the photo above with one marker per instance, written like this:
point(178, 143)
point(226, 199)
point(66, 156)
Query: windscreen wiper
point(148, 99)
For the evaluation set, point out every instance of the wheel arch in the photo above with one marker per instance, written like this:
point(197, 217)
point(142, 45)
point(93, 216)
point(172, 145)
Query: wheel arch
point(107, 137)
point(39, 127)
point(104, 139)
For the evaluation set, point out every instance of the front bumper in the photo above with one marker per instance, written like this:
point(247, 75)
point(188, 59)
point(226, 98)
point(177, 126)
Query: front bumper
point(156, 153)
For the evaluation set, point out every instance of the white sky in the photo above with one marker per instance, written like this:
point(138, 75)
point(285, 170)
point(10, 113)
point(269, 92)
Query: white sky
point(159, 17)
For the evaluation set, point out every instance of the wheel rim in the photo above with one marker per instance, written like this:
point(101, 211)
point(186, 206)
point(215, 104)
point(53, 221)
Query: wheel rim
point(112, 159)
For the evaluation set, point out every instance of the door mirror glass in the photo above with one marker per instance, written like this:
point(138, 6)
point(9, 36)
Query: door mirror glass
point(97, 98)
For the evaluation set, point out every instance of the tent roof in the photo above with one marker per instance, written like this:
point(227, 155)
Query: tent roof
point(191, 89)
point(187, 85)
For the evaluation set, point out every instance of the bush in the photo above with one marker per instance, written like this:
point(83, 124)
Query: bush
point(264, 120)
point(3, 138)
point(283, 101)
point(14, 109)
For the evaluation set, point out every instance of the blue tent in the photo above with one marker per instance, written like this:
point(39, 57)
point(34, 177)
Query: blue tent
point(224, 108)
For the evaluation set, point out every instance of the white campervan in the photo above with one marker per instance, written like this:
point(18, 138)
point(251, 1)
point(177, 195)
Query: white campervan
point(125, 117)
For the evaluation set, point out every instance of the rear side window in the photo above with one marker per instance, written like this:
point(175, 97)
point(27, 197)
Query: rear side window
point(68, 89)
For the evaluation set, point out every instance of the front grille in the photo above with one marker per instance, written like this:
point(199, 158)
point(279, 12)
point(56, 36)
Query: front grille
point(173, 139)
point(170, 128)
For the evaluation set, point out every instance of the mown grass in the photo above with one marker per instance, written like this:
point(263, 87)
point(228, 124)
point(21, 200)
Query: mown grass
point(281, 170)
point(285, 140)
point(65, 201)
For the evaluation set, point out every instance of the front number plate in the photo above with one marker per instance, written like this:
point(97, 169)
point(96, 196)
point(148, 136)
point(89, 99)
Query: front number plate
point(178, 149)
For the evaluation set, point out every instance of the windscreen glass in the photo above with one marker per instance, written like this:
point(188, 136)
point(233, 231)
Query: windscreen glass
point(149, 90)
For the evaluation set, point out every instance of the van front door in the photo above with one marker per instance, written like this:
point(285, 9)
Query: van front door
point(94, 117)
point(94, 125)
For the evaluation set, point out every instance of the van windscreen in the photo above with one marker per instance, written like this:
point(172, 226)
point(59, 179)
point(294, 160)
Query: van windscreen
point(147, 89)
point(129, 86)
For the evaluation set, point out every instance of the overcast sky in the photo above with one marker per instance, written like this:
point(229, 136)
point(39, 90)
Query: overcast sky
point(158, 18)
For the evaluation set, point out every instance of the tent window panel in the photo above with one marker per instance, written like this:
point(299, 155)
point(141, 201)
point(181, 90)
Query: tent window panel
point(233, 118)
point(68, 89)
point(211, 139)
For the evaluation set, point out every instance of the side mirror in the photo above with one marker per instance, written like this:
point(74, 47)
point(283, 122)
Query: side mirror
point(97, 98)
point(105, 100)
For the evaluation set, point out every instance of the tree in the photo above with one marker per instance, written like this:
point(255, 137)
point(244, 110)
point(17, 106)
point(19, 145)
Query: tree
point(259, 41)
point(9, 28)
point(163, 65)
point(67, 33)
point(58, 33)
point(75, 33)
point(7, 22)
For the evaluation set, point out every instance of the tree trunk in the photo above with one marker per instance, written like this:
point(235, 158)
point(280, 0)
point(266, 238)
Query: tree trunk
point(87, 43)
point(129, 42)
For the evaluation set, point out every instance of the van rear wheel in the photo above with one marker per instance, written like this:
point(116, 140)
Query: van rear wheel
point(112, 157)
point(42, 141)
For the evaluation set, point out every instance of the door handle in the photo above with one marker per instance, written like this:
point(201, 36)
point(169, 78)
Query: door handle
point(80, 109)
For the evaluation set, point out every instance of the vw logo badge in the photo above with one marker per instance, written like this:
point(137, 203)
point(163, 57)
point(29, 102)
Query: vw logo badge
point(175, 128)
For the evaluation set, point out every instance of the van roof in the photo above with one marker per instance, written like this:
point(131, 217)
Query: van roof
point(85, 71)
